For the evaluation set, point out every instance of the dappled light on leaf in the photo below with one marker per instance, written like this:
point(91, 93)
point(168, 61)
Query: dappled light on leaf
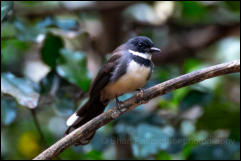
point(22, 89)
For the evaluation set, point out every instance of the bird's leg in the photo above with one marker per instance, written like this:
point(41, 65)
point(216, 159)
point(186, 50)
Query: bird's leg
point(140, 92)
point(117, 103)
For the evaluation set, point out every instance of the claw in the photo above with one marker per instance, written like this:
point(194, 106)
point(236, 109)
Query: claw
point(140, 92)
point(117, 103)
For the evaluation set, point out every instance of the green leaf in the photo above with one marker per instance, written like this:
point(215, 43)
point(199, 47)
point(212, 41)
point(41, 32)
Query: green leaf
point(233, 5)
point(51, 49)
point(195, 97)
point(5, 7)
point(73, 67)
point(93, 155)
point(187, 150)
point(8, 30)
point(70, 154)
point(8, 110)
point(193, 11)
point(191, 65)
point(22, 89)
point(163, 156)
point(179, 94)
point(148, 139)
point(12, 51)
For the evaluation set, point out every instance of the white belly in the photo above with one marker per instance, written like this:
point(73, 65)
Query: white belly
point(135, 77)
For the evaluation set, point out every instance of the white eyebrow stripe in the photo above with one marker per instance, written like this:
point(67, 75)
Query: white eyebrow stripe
point(145, 56)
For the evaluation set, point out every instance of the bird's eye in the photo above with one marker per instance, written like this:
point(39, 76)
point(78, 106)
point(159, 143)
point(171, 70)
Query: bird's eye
point(140, 44)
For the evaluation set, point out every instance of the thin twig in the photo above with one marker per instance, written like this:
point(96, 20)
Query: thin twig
point(36, 122)
point(42, 138)
point(140, 98)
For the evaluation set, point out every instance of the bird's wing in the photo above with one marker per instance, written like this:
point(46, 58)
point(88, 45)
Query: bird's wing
point(98, 84)
point(94, 107)
point(105, 73)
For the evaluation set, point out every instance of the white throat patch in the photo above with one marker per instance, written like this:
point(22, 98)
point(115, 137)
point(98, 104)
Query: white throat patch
point(143, 55)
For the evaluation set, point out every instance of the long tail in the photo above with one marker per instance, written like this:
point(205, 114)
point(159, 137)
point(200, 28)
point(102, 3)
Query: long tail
point(88, 111)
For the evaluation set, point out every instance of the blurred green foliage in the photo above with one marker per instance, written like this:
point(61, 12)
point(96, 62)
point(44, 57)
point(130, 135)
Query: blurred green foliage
point(51, 49)
point(233, 6)
point(193, 11)
point(45, 65)
point(69, 68)
point(5, 7)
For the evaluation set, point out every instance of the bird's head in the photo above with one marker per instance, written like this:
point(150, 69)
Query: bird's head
point(142, 44)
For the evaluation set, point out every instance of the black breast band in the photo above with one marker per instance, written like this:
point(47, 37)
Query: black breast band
point(142, 61)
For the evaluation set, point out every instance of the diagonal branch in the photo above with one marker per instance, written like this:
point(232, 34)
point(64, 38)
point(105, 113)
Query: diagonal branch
point(140, 98)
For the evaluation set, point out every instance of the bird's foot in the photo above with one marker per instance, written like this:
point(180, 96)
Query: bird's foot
point(117, 103)
point(140, 92)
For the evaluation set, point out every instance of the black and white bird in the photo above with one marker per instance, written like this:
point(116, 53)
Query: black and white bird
point(128, 69)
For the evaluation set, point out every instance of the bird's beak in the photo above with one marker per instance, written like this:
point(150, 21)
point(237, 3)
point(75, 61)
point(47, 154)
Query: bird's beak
point(155, 50)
